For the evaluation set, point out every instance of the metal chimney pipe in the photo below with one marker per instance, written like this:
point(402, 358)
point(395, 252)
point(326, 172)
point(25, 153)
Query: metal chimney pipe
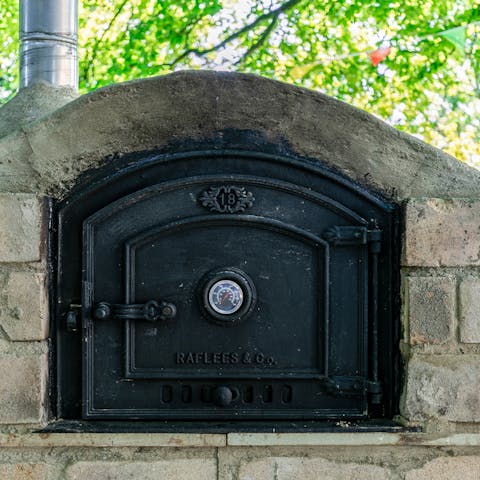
point(48, 42)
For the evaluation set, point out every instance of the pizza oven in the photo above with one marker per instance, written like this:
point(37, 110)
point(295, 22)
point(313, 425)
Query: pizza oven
point(225, 285)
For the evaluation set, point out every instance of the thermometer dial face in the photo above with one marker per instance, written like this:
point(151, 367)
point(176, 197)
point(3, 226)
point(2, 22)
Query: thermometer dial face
point(225, 297)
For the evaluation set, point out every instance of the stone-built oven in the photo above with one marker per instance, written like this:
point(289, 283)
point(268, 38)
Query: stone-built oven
point(215, 275)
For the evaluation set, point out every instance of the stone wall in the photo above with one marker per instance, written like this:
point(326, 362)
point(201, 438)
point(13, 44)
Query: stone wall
point(440, 291)
point(441, 313)
point(24, 315)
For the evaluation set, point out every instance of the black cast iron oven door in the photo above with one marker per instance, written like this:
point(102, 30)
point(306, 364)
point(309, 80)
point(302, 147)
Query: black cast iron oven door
point(232, 295)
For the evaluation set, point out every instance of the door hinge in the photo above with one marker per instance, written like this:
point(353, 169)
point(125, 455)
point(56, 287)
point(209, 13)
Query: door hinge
point(354, 235)
point(374, 238)
point(374, 390)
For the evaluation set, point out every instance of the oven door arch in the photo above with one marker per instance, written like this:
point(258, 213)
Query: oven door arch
point(302, 350)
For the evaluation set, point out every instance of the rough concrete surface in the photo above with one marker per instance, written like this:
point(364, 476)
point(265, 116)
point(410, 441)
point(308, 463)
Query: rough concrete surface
point(442, 387)
point(441, 232)
point(469, 327)
point(23, 305)
point(431, 309)
point(20, 228)
point(153, 113)
point(31, 104)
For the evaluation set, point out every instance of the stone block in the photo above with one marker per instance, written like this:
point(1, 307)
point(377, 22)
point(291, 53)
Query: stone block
point(185, 469)
point(442, 233)
point(442, 387)
point(293, 468)
point(304, 439)
point(431, 309)
point(23, 471)
point(470, 310)
point(261, 469)
point(20, 228)
point(448, 468)
point(24, 305)
point(23, 387)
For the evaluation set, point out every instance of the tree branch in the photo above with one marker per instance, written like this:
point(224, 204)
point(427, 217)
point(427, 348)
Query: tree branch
point(260, 41)
point(265, 16)
point(90, 66)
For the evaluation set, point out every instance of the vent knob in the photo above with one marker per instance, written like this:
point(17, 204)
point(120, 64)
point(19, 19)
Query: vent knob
point(222, 396)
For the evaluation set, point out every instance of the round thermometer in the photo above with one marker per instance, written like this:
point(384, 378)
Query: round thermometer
point(225, 297)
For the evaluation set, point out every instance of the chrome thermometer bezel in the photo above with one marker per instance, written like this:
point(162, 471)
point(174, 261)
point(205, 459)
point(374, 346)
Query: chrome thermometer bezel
point(223, 293)
point(243, 291)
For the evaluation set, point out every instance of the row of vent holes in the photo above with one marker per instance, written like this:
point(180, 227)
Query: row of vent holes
point(248, 395)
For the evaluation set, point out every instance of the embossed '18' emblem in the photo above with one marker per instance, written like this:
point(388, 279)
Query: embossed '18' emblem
point(227, 199)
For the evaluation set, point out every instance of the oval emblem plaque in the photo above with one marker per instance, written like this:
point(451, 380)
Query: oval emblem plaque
point(227, 199)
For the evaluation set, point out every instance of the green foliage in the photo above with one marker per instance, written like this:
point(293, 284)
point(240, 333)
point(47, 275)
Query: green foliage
point(428, 85)
point(128, 39)
point(8, 49)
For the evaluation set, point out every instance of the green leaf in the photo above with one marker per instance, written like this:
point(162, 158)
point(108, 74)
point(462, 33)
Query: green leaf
point(457, 37)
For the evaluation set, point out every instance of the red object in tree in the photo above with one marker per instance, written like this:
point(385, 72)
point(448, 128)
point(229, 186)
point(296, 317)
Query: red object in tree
point(378, 55)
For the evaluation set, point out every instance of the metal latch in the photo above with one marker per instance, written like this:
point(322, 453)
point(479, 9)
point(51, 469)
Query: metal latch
point(72, 323)
point(150, 311)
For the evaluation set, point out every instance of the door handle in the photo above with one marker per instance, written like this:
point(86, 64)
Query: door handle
point(150, 311)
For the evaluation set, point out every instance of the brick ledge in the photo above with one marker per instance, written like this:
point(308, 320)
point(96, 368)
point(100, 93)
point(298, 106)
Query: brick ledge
point(48, 440)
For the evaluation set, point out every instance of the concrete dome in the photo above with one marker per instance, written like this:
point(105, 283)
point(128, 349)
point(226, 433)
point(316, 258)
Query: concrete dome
point(175, 111)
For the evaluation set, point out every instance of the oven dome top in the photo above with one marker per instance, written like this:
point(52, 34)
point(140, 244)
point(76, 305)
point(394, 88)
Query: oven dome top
point(173, 112)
